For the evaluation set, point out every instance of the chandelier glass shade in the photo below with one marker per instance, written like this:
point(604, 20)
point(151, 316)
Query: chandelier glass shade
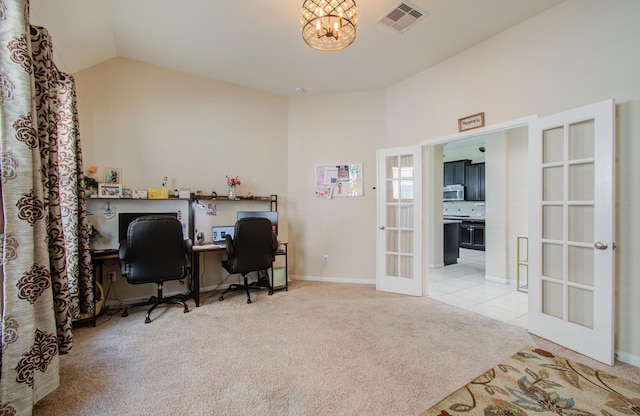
point(329, 25)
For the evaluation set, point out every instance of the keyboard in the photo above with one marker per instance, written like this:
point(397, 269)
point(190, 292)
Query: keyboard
point(209, 246)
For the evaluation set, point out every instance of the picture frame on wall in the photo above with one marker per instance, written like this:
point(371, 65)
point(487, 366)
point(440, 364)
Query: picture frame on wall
point(109, 190)
point(112, 175)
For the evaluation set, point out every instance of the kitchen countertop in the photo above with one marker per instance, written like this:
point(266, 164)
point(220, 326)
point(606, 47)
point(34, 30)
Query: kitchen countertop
point(461, 219)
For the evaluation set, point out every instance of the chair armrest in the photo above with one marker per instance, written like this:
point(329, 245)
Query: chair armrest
point(122, 250)
point(274, 243)
point(122, 255)
point(188, 245)
point(230, 249)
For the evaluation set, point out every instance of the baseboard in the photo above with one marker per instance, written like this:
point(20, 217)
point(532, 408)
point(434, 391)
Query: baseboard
point(628, 358)
point(496, 279)
point(436, 266)
point(334, 279)
point(122, 303)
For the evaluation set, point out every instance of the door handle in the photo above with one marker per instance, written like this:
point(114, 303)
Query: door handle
point(381, 227)
point(600, 245)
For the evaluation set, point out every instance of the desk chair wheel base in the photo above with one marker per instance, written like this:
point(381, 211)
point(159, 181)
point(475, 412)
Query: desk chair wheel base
point(155, 301)
point(235, 287)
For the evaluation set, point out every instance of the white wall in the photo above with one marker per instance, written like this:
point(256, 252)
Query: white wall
point(152, 122)
point(333, 129)
point(578, 53)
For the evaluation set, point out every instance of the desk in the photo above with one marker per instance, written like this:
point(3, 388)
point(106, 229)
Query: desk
point(98, 258)
point(195, 266)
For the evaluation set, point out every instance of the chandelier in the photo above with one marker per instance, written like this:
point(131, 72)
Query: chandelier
point(329, 25)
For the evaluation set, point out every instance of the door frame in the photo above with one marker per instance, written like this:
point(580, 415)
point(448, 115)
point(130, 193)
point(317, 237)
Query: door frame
point(424, 144)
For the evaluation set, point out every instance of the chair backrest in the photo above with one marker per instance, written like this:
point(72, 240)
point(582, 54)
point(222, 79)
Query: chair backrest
point(252, 245)
point(155, 250)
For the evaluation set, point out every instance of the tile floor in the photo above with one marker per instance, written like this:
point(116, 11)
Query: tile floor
point(463, 285)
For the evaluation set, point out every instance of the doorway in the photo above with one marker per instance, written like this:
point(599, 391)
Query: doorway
point(480, 281)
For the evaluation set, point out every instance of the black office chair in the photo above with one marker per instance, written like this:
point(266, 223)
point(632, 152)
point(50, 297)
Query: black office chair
point(252, 249)
point(155, 251)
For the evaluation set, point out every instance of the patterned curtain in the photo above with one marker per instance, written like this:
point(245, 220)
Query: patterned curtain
point(47, 276)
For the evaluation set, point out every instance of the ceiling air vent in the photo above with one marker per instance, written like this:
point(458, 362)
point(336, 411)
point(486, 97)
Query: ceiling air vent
point(402, 17)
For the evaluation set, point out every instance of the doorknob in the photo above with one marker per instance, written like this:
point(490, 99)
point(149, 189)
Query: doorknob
point(600, 245)
point(381, 227)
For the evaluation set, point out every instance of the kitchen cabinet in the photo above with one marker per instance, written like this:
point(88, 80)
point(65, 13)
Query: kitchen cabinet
point(472, 235)
point(451, 242)
point(475, 182)
point(455, 172)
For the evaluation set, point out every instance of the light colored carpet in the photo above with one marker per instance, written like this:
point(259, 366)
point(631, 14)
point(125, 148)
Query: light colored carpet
point(542, 383)
point(318, 349)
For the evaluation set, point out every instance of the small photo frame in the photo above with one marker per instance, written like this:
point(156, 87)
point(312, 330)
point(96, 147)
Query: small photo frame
point(140, 194)
point(112, 175)
point(126, 193)
point(109, 190)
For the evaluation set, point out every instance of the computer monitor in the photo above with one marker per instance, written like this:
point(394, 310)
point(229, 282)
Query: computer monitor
point(270, 215)
point(125, 218)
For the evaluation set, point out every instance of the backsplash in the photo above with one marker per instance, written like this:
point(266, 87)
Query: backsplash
point(473, 209)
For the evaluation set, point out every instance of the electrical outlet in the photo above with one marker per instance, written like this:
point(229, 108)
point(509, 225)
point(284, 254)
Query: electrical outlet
point(325, 258)
point(111, 276)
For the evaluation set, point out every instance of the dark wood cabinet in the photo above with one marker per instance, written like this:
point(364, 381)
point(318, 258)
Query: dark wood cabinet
point(472, 235)
point(475, 182)
point(455, 172)
point(451, 242)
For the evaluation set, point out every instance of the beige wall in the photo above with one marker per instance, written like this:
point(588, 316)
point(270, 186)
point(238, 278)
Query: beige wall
point(340, 129)
point(152, 122)
point(575, 54)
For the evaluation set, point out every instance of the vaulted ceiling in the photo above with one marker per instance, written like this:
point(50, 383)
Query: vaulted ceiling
point(258, 43)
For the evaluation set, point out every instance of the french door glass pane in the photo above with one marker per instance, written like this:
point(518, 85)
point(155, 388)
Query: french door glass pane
point(392, 216)
point(581, 140)
point(406, 267)
point(392, 265)
point(552, 264)
point(581, 223)
point(552, 222)
point(552, 302)
point(392, 240)
point(581, 182)
point(580, 264)
point(406, 242)
point(581, 306)
point(553, 145)
point(405, 219)
point(392, 169)
point(553, 183)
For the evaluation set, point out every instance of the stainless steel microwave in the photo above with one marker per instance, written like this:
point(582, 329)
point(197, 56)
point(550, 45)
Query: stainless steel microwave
point(453, 193)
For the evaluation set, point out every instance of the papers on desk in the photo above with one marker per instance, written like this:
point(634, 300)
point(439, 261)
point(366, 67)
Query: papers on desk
point(204, 247)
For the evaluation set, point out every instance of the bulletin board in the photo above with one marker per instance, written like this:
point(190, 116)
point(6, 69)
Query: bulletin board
point(339, 181)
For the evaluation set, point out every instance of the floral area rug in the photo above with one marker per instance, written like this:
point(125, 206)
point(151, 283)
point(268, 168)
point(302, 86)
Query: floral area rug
point(535, 382)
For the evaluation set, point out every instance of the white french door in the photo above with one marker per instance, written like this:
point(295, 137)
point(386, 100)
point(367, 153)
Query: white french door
point(571, 230)
point(399, 237)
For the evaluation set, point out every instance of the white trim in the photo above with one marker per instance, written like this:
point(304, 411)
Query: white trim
point(334, 279)
point(496, 279)
point(481, 131)
point(436, 266)
point(628, 358)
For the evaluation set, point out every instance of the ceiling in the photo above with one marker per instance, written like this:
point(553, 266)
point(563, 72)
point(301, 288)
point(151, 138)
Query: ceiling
point(258, 43)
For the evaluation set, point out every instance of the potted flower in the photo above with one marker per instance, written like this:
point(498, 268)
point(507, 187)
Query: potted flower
point(90, 183)
point(232, 183)
point(94, 234)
